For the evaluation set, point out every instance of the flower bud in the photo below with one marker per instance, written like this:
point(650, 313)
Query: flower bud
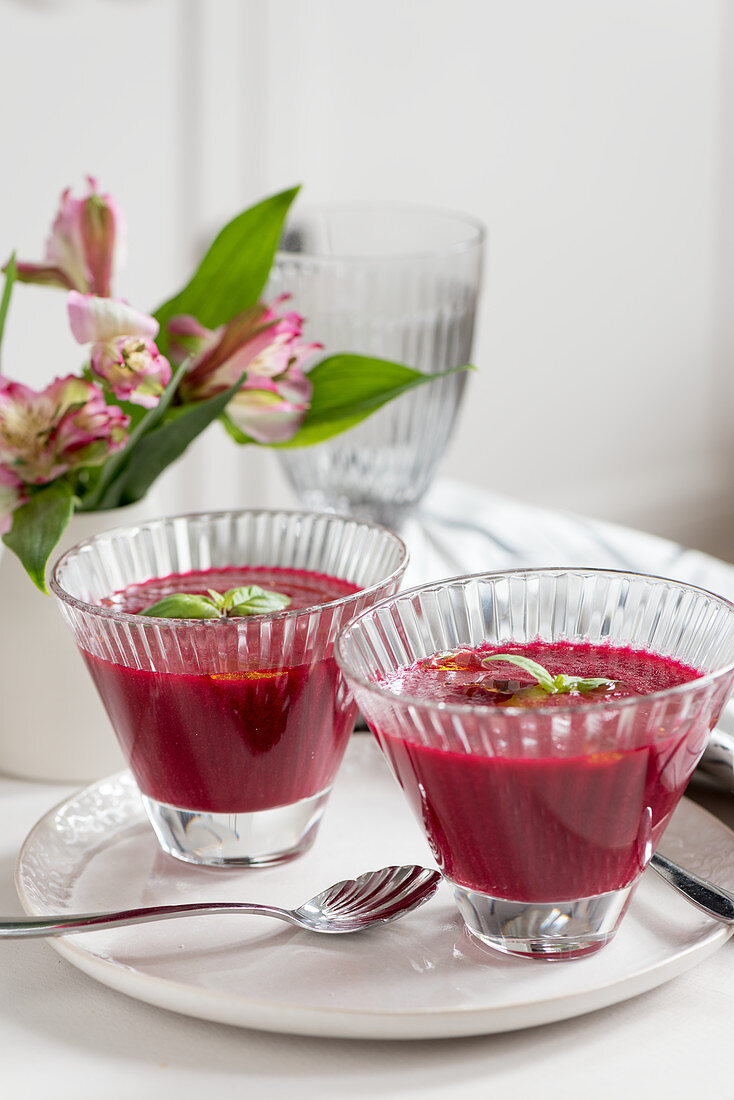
point(123, 355)
point(84, 246)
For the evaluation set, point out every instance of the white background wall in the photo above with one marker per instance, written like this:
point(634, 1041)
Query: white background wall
point(595, 138)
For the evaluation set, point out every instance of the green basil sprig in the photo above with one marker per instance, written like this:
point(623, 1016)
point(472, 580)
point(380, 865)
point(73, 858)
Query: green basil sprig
point(552, 685)
point(236, 603)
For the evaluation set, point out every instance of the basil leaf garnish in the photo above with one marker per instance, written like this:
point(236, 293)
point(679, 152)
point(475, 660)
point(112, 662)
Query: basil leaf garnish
point(182, 605)
point(254, 600)
point(581, 683)
point(217, 598)
point(537, 671)
point(552, 685)
point(237, 602)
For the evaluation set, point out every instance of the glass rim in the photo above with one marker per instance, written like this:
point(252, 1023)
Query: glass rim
point(476, 232)
point(128, 617)
point(559, 709)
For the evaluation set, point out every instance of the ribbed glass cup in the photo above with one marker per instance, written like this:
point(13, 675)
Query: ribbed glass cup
point(543, 819)
point(233, 728)
point(401, 283)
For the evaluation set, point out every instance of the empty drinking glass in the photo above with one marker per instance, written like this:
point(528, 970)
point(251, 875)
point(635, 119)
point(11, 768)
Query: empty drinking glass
point(395, 282)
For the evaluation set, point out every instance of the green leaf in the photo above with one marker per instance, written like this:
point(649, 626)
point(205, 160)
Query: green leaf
point(10, 276)
point(37, 527)
point(182, 605)
point(253, 600)
point(157, 449)
point(347, 389)
point(537, 671)
point(217, 599)
point(566, 684)
point(234, 271)
point(103, 494)
point(233, 596)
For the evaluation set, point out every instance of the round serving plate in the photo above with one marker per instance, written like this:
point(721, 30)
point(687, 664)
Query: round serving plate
point(421, 977)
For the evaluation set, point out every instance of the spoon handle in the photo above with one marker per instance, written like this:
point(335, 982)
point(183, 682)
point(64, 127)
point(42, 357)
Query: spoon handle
point(714, 900)
point(87, 922)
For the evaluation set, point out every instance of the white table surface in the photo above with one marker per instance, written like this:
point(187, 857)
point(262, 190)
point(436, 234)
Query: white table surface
point(64, 1035)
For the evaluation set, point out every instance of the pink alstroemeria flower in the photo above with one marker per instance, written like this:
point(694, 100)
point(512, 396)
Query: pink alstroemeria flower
point(85, 244)
point(12, 494)
point(47, 433)
point(276, 394)
point(124, 355)
point(271, 410)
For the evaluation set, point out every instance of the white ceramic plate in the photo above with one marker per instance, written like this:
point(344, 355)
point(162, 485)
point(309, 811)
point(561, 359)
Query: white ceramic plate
point(422, 977)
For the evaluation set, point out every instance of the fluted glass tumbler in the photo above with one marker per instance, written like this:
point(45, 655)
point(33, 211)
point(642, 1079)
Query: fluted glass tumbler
point(396, 282)
point(543, 817)
point(233, 727)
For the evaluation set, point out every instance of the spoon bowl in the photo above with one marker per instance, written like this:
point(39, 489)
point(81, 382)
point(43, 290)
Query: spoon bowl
point(351, 905)
point(376, 897)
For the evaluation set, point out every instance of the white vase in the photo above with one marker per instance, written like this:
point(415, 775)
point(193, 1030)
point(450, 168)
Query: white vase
point(52, 725)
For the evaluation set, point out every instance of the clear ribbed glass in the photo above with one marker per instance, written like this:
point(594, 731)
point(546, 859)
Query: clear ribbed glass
point(401, 283)
point(543, 819)
point(233, 728)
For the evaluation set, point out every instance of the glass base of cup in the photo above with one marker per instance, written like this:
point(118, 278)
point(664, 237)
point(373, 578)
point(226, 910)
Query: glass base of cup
point(257, 839)
point(543, 929)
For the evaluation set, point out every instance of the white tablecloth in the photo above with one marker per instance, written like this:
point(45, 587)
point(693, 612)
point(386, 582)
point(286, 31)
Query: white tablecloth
point(64, 1035)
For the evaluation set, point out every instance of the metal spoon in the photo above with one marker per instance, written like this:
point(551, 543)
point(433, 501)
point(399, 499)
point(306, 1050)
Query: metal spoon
point(348, 906)
point(713, 900)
